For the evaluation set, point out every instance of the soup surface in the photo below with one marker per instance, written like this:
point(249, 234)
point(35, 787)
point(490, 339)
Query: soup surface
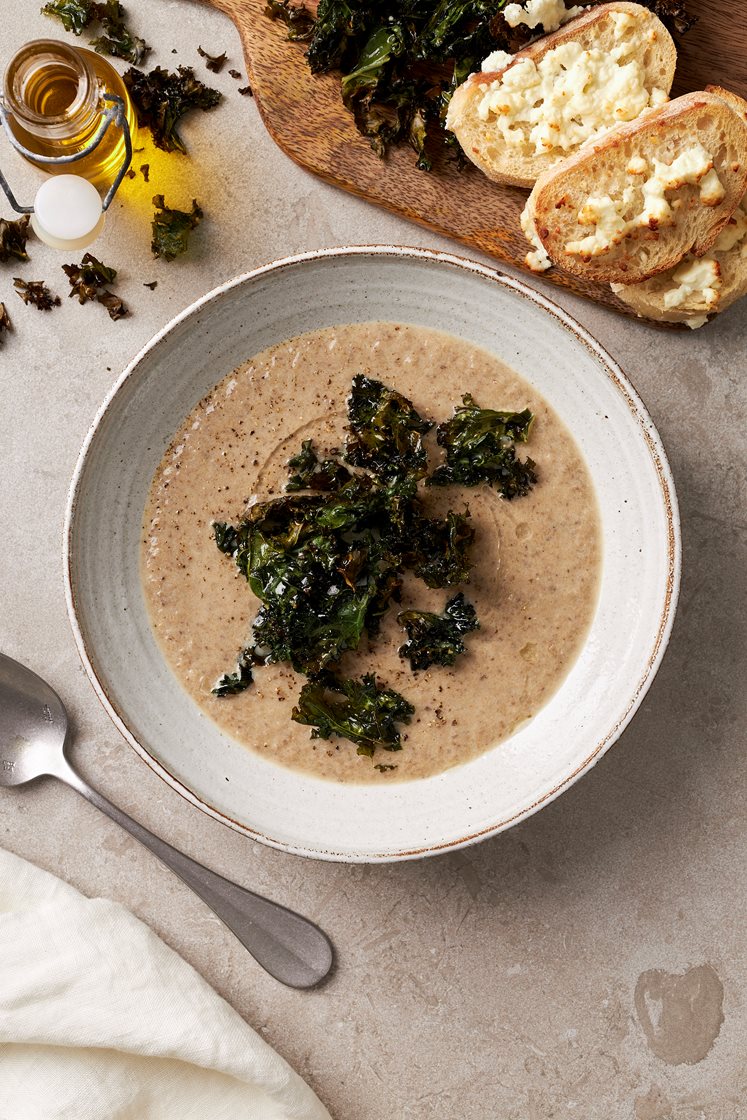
point(537, 558)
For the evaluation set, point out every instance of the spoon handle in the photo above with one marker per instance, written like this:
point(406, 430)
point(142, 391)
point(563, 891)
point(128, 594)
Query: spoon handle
point(289, 947)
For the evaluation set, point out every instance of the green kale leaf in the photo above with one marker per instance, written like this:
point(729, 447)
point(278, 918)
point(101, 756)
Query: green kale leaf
point(117, 39)
point(360, 711)
point(436, 639)
point(312, 474)
point(74, 15)
point(385, 432)
point(231, 683)
point(87, 281)
point(171, 228)
point(36, 293)
point(13, 238)
point(162, 98)
point(439, 553)
point(297, 18)
point(479, 444)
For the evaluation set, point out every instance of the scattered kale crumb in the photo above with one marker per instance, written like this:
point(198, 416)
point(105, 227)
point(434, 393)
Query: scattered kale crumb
point(235, 74)
point(213, 62)
point(232, 683)
point(36, 293)
point(87, 282)
point(152, 284)
point(13, 238)
point(362, 711)
point(116, 38)
point(171, 228)
point(130, 173)
point(5, 323)
point(161, 98)
point(382, 767)
point(145, 171)
point(246, 91)
point(436, 639)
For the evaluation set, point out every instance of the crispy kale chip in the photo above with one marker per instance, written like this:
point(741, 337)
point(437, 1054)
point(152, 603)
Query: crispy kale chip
point(36, 293)
point(232, 683)
point(436, 639)
point(74, 15)
point(311, 473)
point(213, 62)
point(479, 444)
point(13, 238)
point(161, 99)
point(360, 711)
point(318, 570)
point(385, 432)
point(297, 18)
point(87, 281)
point(439, 550)
point(116, 38)
point(171, 228)
point(5, 323)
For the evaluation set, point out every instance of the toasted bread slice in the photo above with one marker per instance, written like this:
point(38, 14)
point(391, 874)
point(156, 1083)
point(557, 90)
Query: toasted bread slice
point(699, 286)
point(634, 203)
point(604, 67)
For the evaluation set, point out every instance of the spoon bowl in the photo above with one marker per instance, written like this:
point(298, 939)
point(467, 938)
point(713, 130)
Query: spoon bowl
point(33, 735)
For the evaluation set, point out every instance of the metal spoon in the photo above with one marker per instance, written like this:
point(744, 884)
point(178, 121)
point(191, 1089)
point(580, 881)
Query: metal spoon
point(33, 733)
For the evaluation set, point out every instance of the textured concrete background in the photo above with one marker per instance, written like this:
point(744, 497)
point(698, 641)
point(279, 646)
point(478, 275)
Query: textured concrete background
point(534, 976)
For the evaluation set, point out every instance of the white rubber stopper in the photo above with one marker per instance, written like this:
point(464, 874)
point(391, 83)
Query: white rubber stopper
point(67, 212)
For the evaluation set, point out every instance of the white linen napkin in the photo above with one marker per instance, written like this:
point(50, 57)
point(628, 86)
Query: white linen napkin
point(99, 1020)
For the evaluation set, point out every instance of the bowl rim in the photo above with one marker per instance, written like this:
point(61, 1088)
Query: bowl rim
point(664, 476)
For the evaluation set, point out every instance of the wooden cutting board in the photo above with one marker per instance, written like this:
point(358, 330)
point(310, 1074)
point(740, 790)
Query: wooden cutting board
point(305, 116)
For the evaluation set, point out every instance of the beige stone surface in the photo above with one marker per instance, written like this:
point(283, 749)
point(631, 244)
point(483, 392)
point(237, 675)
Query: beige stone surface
point(546, 973)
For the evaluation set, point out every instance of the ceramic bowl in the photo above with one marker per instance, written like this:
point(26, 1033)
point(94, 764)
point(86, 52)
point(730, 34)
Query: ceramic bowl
point(639, 580)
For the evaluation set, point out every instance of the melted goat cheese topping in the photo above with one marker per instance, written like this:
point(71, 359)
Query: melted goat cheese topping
point(607, 215)
point(549, 13)
point(569, 96)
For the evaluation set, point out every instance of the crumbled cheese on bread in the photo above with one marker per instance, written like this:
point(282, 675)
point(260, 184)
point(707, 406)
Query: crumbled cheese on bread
point(693, 166)
point(550, 13)
point(734, 232)
point(570, 96)
point(498, 60)
point(537, 260)
point(697, 281)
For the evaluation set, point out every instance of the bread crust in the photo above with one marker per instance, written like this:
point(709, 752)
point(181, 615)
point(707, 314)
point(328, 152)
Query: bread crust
point(489, 152)
point(599, 168)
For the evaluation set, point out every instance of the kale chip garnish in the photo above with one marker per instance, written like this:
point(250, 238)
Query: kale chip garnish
point(385, 432)
point(232, 683)
point(311, 473)
point(479, 444)
point(116, 39)
point(213, 62)
point(171, 228)
point(13, 238)
point(5, 323)
point(360, 711)
point(298, 19)
point(87, 281)
point(161, 99)
point(436, 639)
point(327, 559)
point(36, 293)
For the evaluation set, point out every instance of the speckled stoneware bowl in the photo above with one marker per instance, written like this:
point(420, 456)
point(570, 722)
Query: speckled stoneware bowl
point(603, 689)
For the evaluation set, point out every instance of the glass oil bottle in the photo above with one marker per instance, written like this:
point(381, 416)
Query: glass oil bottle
point(53, 94)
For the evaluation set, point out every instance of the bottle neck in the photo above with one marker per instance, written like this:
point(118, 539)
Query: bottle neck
point(52, 91)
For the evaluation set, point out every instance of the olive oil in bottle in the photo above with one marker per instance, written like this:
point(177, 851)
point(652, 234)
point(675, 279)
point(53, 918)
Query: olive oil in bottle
point(54, 97)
